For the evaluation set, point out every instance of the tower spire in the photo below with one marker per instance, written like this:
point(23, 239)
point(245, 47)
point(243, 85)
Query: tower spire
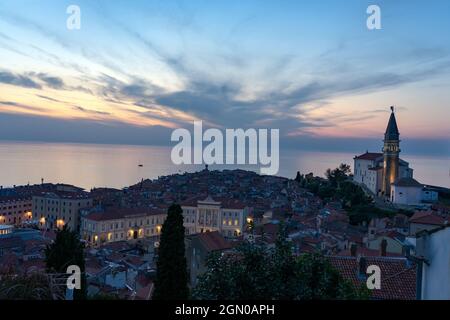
point(392, 129)
point(391, 152)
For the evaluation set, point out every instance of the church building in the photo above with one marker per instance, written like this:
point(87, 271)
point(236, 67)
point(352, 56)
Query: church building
point(378, 171)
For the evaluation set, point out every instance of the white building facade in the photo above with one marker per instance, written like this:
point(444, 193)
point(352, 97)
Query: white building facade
point(121, 224)
point(56, 209)
point(433, 247)
point(229, 217)
point(408, 191)
point(368, 170)
point(15, 210)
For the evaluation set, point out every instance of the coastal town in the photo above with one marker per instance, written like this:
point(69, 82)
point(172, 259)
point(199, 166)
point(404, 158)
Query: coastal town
point(343, 216)
point(121, 228)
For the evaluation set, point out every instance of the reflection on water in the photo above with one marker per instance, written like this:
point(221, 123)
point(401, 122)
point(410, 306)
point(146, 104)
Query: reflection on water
point(93, 165)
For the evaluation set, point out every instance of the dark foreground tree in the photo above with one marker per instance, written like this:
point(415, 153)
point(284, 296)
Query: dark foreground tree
point(171, 274)
point(256, 272)
point(24, 287)
point(319, 280)
point(66, 250)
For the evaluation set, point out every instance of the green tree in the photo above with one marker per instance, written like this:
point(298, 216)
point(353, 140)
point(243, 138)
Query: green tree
point(284, 273)
point(171, 274)
point(338, 175)
point(257, 272)
point(319, 280)
point(246, 274)
point(66, 250)
point(299, 177)
point(352, 195)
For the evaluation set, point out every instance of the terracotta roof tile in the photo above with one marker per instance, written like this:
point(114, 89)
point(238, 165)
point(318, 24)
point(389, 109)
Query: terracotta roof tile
point(398, 279)
point(369, 156)
point(119, 213)
point(427, 217)
point(213, 241)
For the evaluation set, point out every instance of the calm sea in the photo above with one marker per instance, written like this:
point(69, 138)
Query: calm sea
point(93, 165)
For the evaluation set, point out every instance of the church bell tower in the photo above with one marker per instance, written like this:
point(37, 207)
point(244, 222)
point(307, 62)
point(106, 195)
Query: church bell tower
point(391, 153)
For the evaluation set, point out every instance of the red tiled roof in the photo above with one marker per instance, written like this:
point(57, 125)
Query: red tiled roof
point(231, 203)
point(145, 293)
point(226, 203)
point(134, 260)
point(407, 182)
point(8, 263)
point(12, 243)
point(119, 213)
point(398, 280)
point(15, 198)
point(213, 241)
point(427, 217)
point(65, 194)
point(143, 280)
point(369, 156)
point(192, 202)
point(366, 252)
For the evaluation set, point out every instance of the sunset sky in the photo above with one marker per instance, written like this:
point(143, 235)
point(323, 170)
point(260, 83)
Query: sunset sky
point(137, 69)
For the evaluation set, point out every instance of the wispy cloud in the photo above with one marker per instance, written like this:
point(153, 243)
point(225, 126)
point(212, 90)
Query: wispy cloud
point(18, 80)
point(82, 109)
point(219, 81)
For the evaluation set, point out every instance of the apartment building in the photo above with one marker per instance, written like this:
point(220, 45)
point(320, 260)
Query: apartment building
point(15, 210)
point(100, 226)
point(60, 207)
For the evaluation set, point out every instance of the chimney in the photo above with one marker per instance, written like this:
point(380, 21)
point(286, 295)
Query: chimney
point(383, 247)
point(353, 249)
point(406, 249)
point(361, 262)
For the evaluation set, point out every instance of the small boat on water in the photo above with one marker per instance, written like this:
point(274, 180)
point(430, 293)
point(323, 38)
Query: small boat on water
point(140, 165)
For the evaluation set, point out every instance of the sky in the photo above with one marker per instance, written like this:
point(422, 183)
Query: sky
point(136, 70)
